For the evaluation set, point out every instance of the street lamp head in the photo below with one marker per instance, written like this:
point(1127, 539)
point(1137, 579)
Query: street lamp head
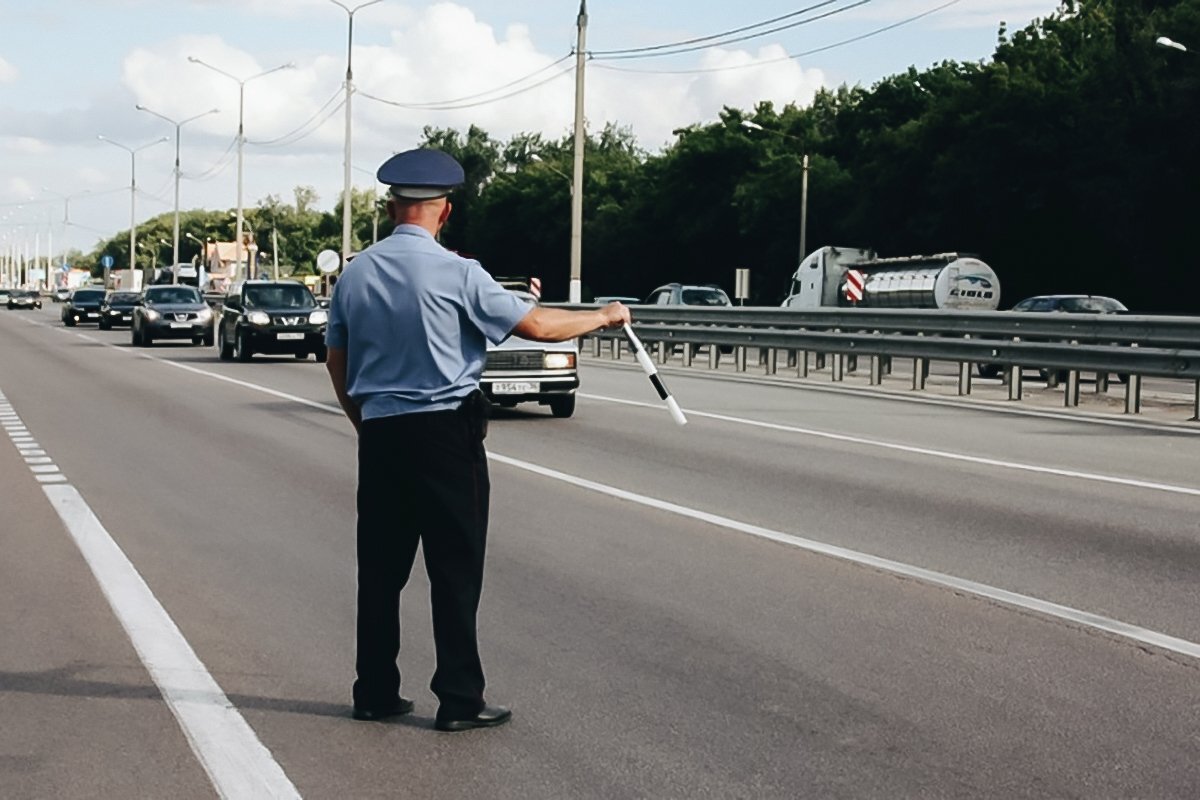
point(751, 125)
point(193, 59)
point(1163, 41)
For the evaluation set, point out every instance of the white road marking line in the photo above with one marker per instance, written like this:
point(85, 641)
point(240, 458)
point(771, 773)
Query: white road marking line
point(34, 452)
point(236, 761)
point(1074, 615)
point(925, 451)
point(1077, 616)
point(38, 460)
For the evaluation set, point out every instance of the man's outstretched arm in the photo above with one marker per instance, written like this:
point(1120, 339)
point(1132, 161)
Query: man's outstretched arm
point(559, 325)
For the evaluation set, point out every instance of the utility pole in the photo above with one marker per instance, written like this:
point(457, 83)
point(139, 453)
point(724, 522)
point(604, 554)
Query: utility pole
point(576, 290)
point(347, 210)
point(133, 151)
point(804, 211)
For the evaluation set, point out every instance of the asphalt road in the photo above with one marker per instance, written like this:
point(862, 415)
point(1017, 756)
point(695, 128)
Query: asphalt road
point(651, 641)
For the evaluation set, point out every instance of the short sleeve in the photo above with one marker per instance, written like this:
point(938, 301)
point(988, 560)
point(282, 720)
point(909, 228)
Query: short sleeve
point(335, 332)
point(492, 308)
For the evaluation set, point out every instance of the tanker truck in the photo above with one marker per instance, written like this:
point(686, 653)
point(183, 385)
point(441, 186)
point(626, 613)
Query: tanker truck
point(950, 281)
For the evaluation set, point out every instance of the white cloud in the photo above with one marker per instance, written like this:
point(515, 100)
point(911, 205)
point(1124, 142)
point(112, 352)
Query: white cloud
point(18, 188)
point(972, 14)
point(26, 145)
point(8, 73)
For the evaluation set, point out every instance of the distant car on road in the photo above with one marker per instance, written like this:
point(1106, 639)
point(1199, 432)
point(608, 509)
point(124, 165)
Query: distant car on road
point(520, 371)
point(82, 306)
point(4, 295)
point(22, 299)
point(117, 309)
point(171, 312)
point(61, 295)
point(273, 318)
point(1061, 303)
point(679, 294)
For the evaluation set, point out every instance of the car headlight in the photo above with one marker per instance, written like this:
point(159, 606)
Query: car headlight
point(151, 314)
point(318, 317)
point(114, 312)
point(559, 360)
point(258, 318)
point(204, 314)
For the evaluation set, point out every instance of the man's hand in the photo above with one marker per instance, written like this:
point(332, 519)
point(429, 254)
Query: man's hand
point(615, 315)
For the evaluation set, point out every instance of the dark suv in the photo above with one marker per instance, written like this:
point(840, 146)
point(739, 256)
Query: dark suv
point(83, 306)
point(171, 312)
point(117, 309)
point(273, 318)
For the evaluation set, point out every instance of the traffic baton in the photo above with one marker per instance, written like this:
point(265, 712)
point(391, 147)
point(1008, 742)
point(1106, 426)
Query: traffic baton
point(652, 373)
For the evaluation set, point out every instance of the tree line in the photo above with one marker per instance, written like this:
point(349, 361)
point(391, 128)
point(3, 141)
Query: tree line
point(1069, 161)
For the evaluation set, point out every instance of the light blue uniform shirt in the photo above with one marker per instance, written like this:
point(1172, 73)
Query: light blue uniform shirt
point(415, 320)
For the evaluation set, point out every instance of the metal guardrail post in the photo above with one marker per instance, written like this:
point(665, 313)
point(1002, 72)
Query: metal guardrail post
point(615, 347)
point(801, 363)
point(1196, 403)
point(772, 361)
point(1101, 383)
point(920, 373)
point(596, 345)
point(876, 370)
point(964, 378)
point(791, 359)
point(687, 354)
point(837, 368)
point(819, 362)
point(1014, 378)
point(887, 365)
point(739, 359)
point(1071, 389)
point(664, 352)
point(1133, 394)
point(714, 356)
point(852, 363)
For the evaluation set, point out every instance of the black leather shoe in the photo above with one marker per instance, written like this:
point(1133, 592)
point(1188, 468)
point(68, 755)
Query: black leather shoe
point(488, 717)
point(377, 713)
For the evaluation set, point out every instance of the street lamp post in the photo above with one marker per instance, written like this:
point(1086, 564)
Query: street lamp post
point(754, 126)
point(178, 124)
point(576, 287)
point(374, 204)
point(133, 151)
point(241, 141)
point(346, 207)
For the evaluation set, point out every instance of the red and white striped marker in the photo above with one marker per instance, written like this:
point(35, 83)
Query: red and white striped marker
point(651, 371)
point(535, 287)
point(856, 282)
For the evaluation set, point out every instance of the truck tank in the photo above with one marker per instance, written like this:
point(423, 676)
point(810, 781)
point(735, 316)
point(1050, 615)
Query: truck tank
point(946, 281)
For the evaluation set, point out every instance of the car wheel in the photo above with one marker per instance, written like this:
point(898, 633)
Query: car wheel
point(69, 322)
point(147, 338)
point(208, 339)
point(135, 336)
point(241, 348)
point(224, 348)
point(989, 370)
point(563, 407)
point(322, 355)
point(300, 356)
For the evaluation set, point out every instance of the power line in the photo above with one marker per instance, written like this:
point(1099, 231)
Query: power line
point(790, 56)
point(328, 116)
point(303, 125)
point(493, 90)
point(217, 166)
point(738, 39)
point(721, 35)
point(412, 107)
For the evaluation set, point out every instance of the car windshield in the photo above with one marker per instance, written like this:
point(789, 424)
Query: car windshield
point(19, 293)
point(1092, 305)
point(175, 294)
point(704, 297)
point(279, 296)
point(88, 297)
point(122, 298)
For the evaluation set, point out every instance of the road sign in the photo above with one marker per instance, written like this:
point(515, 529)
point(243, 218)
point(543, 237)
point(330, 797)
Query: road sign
point(855, 283)
point(741, 284)
point(328, 261)
point(106, 261)
point(65, 268)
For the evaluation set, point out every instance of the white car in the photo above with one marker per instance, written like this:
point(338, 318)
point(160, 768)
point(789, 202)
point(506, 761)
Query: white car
point(521, 371)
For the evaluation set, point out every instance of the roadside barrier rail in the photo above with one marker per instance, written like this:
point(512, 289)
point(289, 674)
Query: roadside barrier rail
point(1060, 345)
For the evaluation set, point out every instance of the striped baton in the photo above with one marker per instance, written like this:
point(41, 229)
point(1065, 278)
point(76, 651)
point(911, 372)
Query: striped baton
point(648, 367)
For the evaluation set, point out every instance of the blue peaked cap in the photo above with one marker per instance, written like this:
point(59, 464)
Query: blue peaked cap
point(423, 174)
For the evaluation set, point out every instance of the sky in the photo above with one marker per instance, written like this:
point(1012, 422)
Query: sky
point(74, 70)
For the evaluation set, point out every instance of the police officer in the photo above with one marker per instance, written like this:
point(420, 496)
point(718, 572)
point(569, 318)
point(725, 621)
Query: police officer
point(407, 338)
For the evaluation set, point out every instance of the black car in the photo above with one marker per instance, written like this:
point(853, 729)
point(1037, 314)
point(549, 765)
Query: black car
point(117, 309)
point(82, 306)
point(172, 312)
point(273, 318)
point(1063, 304)
point(21, 299)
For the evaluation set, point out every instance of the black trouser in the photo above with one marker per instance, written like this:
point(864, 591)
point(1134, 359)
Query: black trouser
point(422, 477)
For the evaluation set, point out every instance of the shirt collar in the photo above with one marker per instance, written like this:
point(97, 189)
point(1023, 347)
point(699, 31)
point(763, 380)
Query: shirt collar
point(409, 229)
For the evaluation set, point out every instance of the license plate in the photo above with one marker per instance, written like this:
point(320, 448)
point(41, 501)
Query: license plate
point(515, 387)
point(181, 324)
point(289, 337)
